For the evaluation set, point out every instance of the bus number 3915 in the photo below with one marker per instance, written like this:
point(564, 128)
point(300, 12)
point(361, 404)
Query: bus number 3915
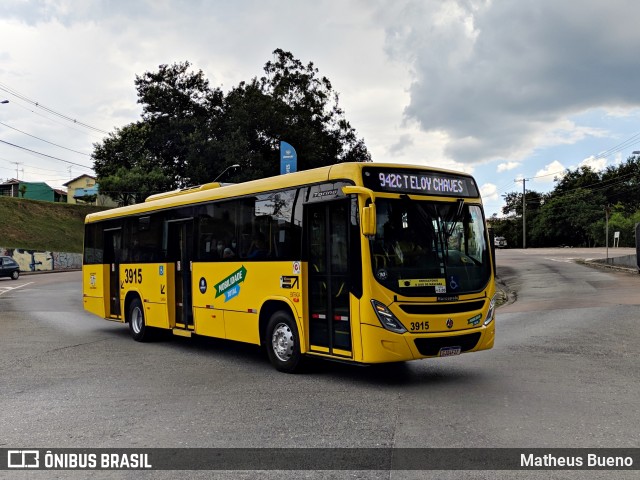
point(133, 275)
point(419, 326)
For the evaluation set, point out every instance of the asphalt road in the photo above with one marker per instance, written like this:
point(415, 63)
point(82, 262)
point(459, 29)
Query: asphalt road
point(564, 373)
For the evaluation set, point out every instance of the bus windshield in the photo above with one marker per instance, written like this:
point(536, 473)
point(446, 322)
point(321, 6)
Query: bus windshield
point(424, 248)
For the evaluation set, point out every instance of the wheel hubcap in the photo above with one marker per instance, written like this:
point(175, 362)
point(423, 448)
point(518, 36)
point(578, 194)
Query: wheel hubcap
point(136, 320)
point(282, 342)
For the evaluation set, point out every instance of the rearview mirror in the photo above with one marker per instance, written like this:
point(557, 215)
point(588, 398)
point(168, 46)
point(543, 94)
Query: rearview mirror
point(368, 220)
point(368, 217)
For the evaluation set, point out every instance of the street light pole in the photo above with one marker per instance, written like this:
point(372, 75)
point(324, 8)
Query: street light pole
point(235, 165)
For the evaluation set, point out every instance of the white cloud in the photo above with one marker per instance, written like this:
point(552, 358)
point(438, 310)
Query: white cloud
point(596, 164)
point(445, 83)
point(495, 75)
point(489, 192)
point(506, 166)
point(551, 171)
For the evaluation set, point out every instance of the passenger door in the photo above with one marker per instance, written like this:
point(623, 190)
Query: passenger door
point(113, 256)
point(329, 277)
point(180, 240)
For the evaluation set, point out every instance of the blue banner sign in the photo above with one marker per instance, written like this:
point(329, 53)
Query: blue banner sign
point(288, 159)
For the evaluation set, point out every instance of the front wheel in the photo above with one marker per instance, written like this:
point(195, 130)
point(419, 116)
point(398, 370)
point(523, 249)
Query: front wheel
point(15, 274)
point(283, 343)
point(137, 326)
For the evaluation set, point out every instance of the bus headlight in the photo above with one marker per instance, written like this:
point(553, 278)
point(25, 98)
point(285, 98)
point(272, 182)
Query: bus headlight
point(491, 312)
point(386, 318)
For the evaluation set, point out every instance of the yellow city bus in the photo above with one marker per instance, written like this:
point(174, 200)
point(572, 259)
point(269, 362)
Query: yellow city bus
point(356, 262)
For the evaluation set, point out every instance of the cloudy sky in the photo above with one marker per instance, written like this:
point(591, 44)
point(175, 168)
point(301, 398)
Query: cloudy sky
point(502, 89)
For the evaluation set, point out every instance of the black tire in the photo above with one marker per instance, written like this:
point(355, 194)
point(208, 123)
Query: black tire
point(15, 275)
point(137, 325)
point(282, 342)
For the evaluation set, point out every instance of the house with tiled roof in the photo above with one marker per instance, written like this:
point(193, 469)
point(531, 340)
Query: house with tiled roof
point(84, 190)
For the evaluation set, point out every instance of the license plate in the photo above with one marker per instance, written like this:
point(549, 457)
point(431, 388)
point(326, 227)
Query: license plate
point(449, 351)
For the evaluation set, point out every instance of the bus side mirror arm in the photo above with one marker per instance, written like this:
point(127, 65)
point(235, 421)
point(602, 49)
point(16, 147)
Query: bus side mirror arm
point(368, 214)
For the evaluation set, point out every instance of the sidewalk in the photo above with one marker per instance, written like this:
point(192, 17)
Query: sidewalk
point(37, 272)
point(613, 265)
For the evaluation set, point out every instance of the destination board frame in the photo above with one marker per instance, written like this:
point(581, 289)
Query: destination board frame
point(419, 182)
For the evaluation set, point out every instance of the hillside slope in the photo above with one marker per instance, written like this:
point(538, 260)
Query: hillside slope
point(46, 226)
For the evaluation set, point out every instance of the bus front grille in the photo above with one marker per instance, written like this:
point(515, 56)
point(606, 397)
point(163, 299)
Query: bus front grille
point(441, 308)
point(429, 347)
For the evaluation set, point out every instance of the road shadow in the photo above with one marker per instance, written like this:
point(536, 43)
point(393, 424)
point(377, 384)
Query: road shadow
point(419, 372)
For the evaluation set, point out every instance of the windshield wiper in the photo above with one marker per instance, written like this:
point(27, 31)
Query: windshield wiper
point(453, 219)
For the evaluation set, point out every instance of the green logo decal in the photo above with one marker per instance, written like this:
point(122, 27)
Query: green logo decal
point(229, 286)
point(475, 320)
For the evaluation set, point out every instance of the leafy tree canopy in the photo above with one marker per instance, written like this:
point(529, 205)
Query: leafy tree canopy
point(189, 132)
point(573, 213)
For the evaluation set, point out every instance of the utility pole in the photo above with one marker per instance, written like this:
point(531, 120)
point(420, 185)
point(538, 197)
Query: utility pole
point(607, 213)
point(17, 164)
point(524, 212)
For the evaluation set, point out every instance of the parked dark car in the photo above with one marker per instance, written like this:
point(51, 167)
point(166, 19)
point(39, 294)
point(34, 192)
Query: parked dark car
point(9, 268)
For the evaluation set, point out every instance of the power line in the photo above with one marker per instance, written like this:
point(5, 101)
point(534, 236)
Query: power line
point(43, 140)
point(45, 155)
point(57, 172)
point(607, 153)
point(621, 146)
point(548, 174)
point(21, 96)
point(603, 185)
point(84, 132)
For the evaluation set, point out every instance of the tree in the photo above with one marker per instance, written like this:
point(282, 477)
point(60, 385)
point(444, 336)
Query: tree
point(621, 185)
point(23, 189)
point(570, 218)
point(126, 167)
point(582, 177)
point(189, 132)
point(178, 107)
point(89, 199)
point(127, 186)
point(573, 213)
point(513, 209)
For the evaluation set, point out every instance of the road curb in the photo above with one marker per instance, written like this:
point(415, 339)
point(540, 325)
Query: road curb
point(606, 266)
point(38, 272)
point(505, 296)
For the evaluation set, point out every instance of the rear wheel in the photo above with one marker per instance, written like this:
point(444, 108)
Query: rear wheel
point(137, 326)
point(283, 342)
point(15, 275)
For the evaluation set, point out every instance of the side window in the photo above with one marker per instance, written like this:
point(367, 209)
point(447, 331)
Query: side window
point(89, 242)
point(217, 231)
point(205, 241)
point(145, 239)
point(93, 244)
point(262, 227)
point(275, 233)
point(171, 248)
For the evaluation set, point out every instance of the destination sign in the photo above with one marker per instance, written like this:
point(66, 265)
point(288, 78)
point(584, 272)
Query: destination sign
point(419, 182)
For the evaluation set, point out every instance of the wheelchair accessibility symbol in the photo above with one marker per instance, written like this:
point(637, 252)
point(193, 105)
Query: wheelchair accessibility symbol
point(454, 284)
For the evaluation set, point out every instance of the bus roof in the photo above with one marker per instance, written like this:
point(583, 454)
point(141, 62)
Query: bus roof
point(218, 191)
